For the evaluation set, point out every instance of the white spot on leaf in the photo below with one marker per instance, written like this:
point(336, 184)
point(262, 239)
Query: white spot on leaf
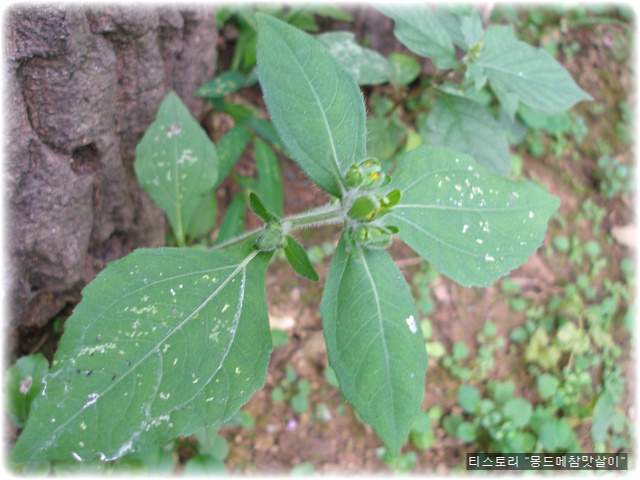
point(412, 324)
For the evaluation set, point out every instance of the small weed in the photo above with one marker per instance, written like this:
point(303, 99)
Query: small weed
point(293, 390)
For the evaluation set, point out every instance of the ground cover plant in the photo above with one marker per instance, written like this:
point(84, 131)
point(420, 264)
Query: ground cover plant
point(455, 208)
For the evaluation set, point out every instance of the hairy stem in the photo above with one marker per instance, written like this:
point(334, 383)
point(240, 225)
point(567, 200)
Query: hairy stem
point(325, 215)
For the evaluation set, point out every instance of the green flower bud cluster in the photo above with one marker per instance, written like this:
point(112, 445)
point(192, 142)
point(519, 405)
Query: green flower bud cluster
point(366, 179)
point(374, 236)
point(271, 237)
point(372, 206)
point(368, 175)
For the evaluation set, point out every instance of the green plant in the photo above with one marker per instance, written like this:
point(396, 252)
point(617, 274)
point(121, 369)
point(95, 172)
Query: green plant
point(293, 390)
point(505, 423)
point(167, 339)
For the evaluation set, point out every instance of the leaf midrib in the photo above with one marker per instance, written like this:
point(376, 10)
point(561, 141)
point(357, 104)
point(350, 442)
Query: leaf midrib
point(238, 268)
point(334, 159)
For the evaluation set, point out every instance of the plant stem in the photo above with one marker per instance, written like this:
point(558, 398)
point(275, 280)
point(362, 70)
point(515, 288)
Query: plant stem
point(325, 215)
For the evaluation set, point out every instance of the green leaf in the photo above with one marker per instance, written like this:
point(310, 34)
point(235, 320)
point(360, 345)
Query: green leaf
point(23, 383)
point(518, 410)
point(164, 341)
point(300, 403)
point(265, 129)
point(367, 66)
point(229, 149)
point(269, 177)
point(176, 163)
point(466, 127)
point(224, 83)
point(547, 385)
point(471, 28)
point(404, 69)
point(602, 414)
point(205, 219)
point(363, 206)
point(314, 103)
point(520, 72)
point(204, 465)
point(420, 31)
point(473, 226)
point(373, 341)
point(260, 210)
point(233, 222)
point(467, 431)
point(298, 259)
point(468, 398)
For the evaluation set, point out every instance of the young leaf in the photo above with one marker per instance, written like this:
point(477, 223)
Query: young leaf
point(269, 177)
point(298, 259)
point(466, 127)
point(404, 69)
point(22, 384)
point(314, 103)
point(367, 66)
point(373, 341)
point(472, 225)
point(259, 209)
point(222, 84)
point(420, 31)
point(176, 163)
point(164, 341)
point(520, 72)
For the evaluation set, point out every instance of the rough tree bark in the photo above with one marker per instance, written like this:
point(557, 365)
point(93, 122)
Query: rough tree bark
point(82, 84)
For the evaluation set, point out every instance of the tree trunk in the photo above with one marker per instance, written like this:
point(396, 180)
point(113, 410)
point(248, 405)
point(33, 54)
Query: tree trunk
point(82, 86)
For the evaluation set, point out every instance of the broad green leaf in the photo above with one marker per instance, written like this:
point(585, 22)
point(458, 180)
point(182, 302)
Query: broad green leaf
point(298, 259)
point(229, 149)
point(418, 28)
point(373, 341)
point(520, 72)
point(233, 222)
point(466, 127)
point(472, 225)
point(22, 384)
point(314, 103)
point(176, 163)
point(164, 342)
point(367, 66)
point(269, 177)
